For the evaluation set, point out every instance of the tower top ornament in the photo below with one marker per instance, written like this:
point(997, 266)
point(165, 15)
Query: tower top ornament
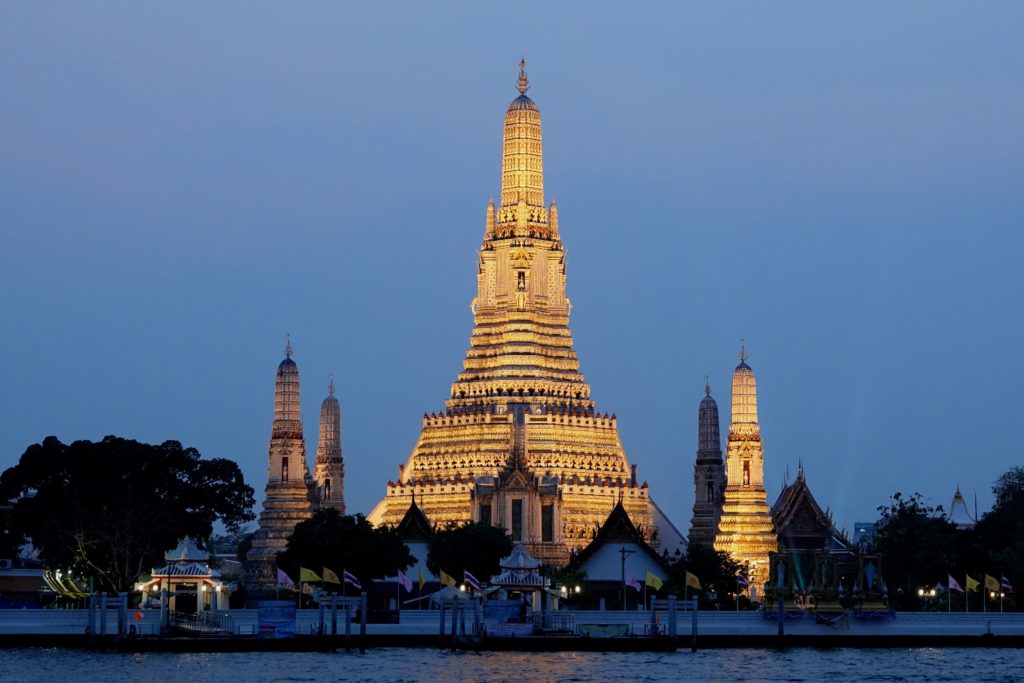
point(524, 82)
point(288, 345)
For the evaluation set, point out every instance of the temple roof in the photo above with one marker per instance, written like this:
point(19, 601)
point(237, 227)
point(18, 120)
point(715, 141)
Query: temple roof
point(522, 102)
point(414, 525)
point(187, 551)
point(618, 528)
point(958, 512)
point(800, 522)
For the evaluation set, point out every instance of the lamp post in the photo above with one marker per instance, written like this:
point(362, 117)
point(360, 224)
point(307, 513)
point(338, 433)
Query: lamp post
point(624, 553)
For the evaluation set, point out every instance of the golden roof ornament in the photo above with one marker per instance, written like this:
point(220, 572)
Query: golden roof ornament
point(743, 351)
point(707, 386)
point(288, 345)
point(524, 82)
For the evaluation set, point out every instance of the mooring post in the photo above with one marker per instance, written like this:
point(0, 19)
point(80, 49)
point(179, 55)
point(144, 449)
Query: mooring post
point(478, 608)
point(321, 613)
point(441, 630)
point(696, 611)
point(103, 615)
point(362, 623)
point(334, 614)
point(462, 620)
point(122, 615)
point(348, 625)
point(782, 616)
point(672, 617)
point(654, 616)
point(164, 615)
point(455, 623)
point(91, 628)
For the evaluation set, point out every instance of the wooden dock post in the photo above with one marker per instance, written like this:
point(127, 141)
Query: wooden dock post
point(696, 611)
point(362, 623)
point(334, 614)
point(348, 626)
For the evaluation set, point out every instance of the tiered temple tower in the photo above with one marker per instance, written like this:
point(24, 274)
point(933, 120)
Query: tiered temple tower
point(329, 471)
point(745, 529)
point(708, 473)
point(521, 390)
point(288, 498)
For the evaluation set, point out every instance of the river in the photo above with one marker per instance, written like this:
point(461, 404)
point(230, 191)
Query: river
point(919, 664)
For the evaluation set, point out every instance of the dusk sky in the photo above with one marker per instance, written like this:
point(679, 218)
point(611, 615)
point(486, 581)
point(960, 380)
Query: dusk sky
point(841, 184)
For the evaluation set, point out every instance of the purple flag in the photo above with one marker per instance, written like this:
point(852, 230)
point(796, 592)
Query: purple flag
point(283, 580)
point(632, 582)
point(954, 586)
point(405, 581)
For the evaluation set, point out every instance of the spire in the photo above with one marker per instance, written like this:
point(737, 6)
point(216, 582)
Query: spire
point(288, 345)
point(524, 82)
point(522, 172)
point(744, 394)
point(330, 386)
point(329, 447)
point(709, 442)
point(287, 409)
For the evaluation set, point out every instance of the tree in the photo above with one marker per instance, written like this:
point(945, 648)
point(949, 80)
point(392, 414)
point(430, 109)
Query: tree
point(1000, 531)
point(715, 569)
point(919, 546)
point(344, 543)
point(111, 509)
point(472, 546)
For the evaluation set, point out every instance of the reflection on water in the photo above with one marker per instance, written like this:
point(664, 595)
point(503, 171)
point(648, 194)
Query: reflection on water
point(921, 664)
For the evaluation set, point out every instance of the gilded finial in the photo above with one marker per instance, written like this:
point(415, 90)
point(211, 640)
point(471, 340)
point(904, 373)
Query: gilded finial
point(288, 345)
point(524, 82)
point(330, 386)
point(707, 386)
point(743, 351)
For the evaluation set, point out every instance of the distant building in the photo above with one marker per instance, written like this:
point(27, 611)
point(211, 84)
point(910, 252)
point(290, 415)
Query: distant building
point(800, 522)
point(958, 513)
point(864, 532)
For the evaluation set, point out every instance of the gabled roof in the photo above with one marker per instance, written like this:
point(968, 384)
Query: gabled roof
point(798, 516)
point(618, 528)
point(414, 525)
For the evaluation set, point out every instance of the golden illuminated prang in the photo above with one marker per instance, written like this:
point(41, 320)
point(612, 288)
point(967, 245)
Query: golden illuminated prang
point(745, 528)
point(520, 443)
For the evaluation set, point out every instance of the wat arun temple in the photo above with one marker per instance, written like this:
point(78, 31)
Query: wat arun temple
point(520, 442)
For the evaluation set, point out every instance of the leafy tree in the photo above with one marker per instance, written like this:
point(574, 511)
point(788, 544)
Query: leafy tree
point(1000, 532)
point(111, 509)
point(918, 545)
point(344, 543)
point(474, 546)
point(10, 539)
point(715, 569)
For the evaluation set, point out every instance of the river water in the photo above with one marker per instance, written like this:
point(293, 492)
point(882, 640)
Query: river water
point(916, 664)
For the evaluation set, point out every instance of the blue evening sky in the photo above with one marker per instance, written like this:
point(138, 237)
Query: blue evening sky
point(842, 184)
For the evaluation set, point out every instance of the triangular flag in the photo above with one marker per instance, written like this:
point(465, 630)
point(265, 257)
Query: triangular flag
point(423, 579)
point(954, 585)
point(447, 580)
point(692, 581)
point(653, 581)
point(283, 580)
point(330, 577)
point(405, 581)
point(972, 585)
point(307, 576)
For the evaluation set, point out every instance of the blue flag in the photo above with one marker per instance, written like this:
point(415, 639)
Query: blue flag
point(353, 581)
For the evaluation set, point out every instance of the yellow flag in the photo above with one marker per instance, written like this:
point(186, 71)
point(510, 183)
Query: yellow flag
point(330, 577)
point(692, 581)
point(447, 580)
point(653, 581)
point(972, 585)
point(991, 583)
point(423, 579)
point(307, 575)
